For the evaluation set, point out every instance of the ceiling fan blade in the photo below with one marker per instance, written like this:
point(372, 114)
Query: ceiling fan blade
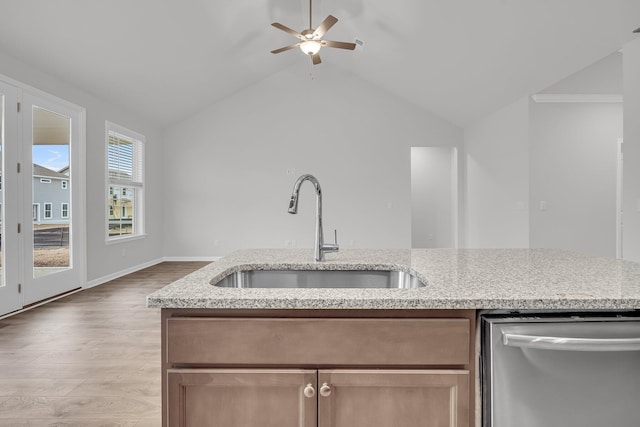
point(329, 22)
point(282, 49)
point(339, 45)
point(637, 30)
point(288, 30)
point(316, 59)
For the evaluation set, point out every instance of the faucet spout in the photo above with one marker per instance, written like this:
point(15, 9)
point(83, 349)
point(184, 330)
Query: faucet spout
point(320, 247)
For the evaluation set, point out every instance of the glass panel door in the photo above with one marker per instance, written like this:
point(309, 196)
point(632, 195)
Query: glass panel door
point(52, 232)
point(41, 197)
point(10, 298)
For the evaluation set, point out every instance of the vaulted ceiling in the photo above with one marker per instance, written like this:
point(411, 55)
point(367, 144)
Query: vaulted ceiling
point(460, 59)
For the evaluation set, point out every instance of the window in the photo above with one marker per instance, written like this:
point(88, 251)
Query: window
point(0, 182)
point(64, 210)
point(48, 210)
point(45, 181)
point(125, 182)
point(65, 184)
point(36, 211)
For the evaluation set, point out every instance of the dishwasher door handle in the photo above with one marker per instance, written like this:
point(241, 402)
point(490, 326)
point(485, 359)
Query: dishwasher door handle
point(570, 344)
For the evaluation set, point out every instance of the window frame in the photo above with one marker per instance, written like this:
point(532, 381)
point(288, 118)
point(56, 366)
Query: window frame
point(44, 210)
point(64, 184)
point(137, 188)
point(64, 206)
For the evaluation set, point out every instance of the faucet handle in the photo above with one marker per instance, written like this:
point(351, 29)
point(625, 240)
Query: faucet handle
point(333, 247)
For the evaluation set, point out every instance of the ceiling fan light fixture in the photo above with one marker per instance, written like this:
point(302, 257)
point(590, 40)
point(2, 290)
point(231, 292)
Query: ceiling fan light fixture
point(310, 47)
point(310, 40)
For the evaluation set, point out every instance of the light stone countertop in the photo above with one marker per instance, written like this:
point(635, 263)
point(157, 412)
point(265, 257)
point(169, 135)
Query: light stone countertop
point(454, 278)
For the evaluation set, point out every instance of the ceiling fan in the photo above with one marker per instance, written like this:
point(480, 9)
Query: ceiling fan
point(311, 39)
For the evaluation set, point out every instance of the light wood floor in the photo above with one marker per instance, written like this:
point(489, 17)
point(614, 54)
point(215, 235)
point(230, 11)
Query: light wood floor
point(90, 359)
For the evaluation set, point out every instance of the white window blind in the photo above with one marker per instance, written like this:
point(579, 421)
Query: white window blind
point(125, 160)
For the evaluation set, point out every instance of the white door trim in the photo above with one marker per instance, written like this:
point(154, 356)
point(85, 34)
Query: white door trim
point(10, 297)
point(619, 213)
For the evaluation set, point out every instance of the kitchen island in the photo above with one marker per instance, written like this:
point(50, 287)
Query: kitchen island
point(349, 357)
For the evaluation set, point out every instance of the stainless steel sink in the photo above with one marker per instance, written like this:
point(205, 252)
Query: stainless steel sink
point(320, 279)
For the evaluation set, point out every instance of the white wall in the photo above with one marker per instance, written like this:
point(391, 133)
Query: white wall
point(228, 186)
point(631, 195)
point(105, 260)
point(603, 77)
point(573, 150)
point(497, 178)
point(433, 193)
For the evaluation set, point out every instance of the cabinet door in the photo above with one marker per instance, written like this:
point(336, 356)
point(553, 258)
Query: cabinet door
point(231, 397)
point(386, 398)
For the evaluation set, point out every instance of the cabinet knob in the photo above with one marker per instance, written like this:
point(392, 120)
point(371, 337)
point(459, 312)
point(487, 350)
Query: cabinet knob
point(325, 390)
point(309, 391)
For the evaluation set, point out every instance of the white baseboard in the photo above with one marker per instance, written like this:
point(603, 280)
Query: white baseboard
point(118, 274)
point(191, 258)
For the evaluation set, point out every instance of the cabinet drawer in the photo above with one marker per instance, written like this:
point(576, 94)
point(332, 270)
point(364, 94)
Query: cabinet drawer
point(319, 342)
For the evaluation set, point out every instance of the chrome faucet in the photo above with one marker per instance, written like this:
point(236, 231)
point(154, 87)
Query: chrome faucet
point(321, 248)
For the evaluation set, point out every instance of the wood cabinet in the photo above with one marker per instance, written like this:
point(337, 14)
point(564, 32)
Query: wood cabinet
point(315, 369)
point(230, 397)
point(403, 398)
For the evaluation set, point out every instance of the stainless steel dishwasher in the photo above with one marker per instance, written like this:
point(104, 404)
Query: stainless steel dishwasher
point(561, 369)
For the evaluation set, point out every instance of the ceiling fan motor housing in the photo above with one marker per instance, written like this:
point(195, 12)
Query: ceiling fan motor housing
point(308, 34)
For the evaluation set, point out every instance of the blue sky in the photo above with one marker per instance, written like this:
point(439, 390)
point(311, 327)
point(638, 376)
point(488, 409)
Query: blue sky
point(51, 156)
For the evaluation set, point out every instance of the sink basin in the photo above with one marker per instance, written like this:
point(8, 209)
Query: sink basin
point(320, 279)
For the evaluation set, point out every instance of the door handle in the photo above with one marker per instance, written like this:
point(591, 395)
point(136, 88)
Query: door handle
point(569, 343)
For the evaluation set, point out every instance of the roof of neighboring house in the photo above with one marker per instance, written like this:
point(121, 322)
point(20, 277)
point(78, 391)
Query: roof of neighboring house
point(46, 172)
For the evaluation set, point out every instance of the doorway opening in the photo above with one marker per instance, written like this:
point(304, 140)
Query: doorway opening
point(434, 197)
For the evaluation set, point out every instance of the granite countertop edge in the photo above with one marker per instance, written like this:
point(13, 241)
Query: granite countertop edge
point(454, 278)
